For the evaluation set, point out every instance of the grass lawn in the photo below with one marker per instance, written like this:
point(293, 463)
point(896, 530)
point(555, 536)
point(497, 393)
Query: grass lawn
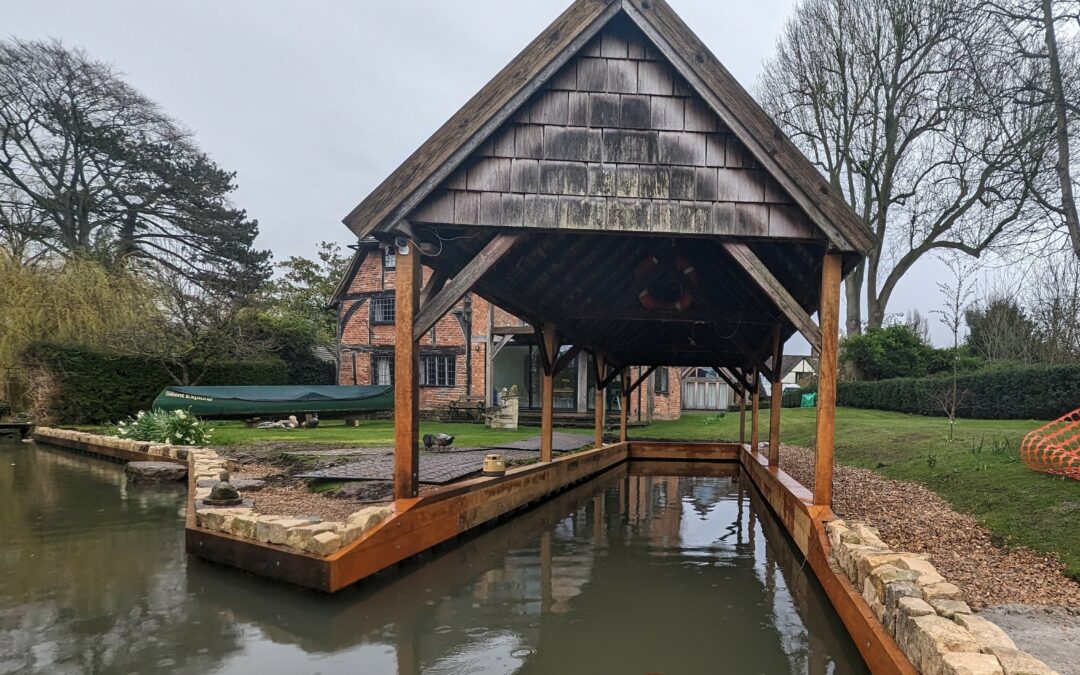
point(978, 473)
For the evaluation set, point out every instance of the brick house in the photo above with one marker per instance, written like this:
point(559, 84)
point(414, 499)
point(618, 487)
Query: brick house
point(456, 371)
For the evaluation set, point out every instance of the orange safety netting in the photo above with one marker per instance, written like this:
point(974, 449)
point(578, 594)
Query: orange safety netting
point(1055, 448)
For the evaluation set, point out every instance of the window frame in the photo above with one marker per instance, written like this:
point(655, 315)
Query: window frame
point(375, 360)
point(661, 381)
point(449, 379)
point(389, 259)
point(390, 301)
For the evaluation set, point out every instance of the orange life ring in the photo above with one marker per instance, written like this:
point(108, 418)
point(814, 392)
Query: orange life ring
point(687, 274)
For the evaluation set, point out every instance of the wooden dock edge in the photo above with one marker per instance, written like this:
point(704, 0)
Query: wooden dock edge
point(793, 506)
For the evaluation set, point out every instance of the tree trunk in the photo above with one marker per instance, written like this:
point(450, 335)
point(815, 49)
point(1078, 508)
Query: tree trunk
point(853, 297)
point(1061, 128)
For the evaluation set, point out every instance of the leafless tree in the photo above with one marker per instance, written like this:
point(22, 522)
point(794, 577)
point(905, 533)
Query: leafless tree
point(1044, 51)
point(1053, 299)
point(900, 104)
point(958, 295)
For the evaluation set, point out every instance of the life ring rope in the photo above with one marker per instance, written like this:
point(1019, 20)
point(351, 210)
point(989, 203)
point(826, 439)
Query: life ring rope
point(689, 280)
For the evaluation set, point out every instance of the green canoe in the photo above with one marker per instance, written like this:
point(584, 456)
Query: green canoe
point(223, 402)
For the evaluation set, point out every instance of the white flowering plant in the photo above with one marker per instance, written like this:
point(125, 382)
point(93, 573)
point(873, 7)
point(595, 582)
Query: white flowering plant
point(175, 427)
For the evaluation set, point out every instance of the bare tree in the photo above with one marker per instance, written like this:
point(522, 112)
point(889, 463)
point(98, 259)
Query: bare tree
point(1044, 51)
point(900, 104)
point(1053, 298)
point(958, 295)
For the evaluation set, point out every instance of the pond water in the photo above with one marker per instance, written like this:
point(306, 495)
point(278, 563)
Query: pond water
point(628, 573)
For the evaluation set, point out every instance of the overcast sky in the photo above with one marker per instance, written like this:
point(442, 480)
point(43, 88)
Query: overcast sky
point(314, 103)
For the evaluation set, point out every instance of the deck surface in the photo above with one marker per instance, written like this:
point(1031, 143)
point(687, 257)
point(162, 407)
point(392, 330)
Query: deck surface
point(435, 467)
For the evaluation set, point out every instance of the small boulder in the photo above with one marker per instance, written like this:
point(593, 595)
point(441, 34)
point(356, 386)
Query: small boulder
point(987, 634)
point(155, 472)
point(1016, 662)
point(324, 543)
point(959, 663)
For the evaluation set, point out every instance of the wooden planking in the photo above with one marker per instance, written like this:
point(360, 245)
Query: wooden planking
point(825, 433)
point(406, 375)
point(699, 452)
point(776, 291)
point(435, 308)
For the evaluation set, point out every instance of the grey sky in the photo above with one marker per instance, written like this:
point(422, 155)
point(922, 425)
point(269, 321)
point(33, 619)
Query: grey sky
point(313, 103)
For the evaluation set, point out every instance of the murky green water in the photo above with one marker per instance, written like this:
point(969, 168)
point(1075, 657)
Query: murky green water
point(625, 574)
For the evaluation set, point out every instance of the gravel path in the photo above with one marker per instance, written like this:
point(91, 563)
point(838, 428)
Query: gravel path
point(912, 518)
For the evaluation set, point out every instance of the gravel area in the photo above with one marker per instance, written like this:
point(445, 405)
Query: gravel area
point(912, 518)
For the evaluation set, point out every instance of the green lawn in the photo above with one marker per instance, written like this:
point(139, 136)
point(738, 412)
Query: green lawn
point(979, 473)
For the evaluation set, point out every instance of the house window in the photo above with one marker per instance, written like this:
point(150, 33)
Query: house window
point(660, 380)
point(382, 310)
point(389, 259)
point(382, 370)
point(437, 371)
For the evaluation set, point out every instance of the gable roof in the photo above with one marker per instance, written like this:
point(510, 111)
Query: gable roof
point(789, 361)
point(478, 119)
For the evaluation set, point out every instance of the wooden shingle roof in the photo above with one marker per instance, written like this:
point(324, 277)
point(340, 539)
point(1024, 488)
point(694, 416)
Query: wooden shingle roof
point(494, 104)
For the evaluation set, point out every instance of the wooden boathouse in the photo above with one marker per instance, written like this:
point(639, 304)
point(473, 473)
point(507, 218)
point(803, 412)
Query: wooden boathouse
point(616, 188)
point(619, 190)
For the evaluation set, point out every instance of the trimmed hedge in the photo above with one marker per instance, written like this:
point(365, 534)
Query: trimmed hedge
point(98, 387)
point(1029, 392)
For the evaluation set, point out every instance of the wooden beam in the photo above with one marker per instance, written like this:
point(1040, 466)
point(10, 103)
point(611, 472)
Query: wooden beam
point(776, 396)
point(826, 393)
point(641, 378)
point(775, 290)
point(463, 281)
point(406, 375)
point(546, 359)
point(754, 408)
point(610, 377)
point(735, 385)
point(547, 401)
point(755, 358)
point(565, 358)
point(624, 403)
point(502, 342)
point(434, 284)
point(641, 314)
point(742, 418)
point(598, 402)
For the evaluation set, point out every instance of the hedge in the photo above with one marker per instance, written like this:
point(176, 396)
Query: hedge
point(96, 387)
point(1029, 392)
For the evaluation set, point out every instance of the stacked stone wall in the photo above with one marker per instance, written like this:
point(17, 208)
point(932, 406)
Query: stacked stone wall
point(924, 613)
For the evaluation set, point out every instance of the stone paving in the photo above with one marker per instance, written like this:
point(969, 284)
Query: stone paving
point(435, 467)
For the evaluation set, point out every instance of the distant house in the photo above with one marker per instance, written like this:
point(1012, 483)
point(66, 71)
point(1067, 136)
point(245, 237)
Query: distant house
point(796, 370)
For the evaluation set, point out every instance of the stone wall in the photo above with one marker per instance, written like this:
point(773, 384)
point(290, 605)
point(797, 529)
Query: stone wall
point(924, 613)
point(310, 535)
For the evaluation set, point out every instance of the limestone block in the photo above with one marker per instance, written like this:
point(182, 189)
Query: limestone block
point(898, 617)
point(369, 517)
point(943, 590)
point(848, 555)
point(155, 472)
point(298, 537)
point(868, 563)
point(898, 590)
point(262, 527)
point(201, 493)
point(836, 529)
point(1016, 662)
point(931, 637)
point(957, 663)
point(883, 575)
point(869, 536)
point(871, 597)
point(914, 607)
point(277, 532)
point(986, 633)
point(324, 543)
point(243, 525)
point(950, 608)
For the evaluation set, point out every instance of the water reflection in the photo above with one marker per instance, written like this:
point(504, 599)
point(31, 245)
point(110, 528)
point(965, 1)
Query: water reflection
point(630, 573)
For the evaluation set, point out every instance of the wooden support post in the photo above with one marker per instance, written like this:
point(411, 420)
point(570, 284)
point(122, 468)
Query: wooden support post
point(742, 417)
point(624, 403)
point(776, 396)
point(598, 403)
point(406, 375)
point(547, 401)
point(754, 402)
point(829, 322)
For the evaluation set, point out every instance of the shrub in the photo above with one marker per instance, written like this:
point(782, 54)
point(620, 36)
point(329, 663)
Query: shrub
point(93, 387)
point(882, 353)
point(175, 427)
point(1029, 392)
